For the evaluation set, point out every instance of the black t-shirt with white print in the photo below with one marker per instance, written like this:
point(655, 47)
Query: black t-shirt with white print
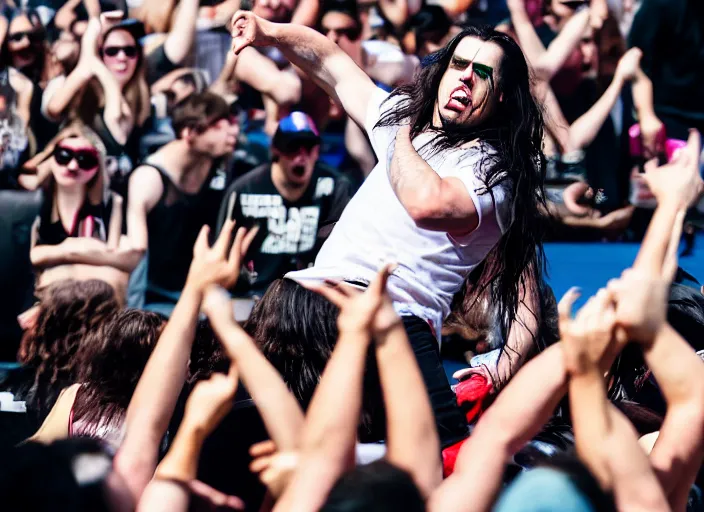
point(290, 233)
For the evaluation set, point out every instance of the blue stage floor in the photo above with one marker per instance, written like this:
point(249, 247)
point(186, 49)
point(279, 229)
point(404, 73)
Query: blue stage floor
point(591, 265)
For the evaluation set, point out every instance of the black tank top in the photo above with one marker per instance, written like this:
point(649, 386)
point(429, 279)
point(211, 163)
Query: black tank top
point(92, 220)
point(173, 227)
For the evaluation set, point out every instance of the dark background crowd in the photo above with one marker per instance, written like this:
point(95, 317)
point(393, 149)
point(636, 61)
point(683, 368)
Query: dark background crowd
point(127, 126)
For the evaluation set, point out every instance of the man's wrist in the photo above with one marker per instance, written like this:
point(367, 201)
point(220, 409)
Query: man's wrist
point(269, 32)
point(381, 333)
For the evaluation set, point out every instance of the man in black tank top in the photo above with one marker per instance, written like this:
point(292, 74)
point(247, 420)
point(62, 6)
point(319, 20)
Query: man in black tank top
point(175, 192)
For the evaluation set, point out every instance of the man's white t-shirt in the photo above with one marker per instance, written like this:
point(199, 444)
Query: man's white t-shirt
point(375, 228)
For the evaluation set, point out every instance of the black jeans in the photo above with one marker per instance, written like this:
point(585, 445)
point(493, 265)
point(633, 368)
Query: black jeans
point(450, 421)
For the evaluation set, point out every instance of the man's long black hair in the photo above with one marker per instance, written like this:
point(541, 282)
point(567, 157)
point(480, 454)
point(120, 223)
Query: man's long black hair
point(515, 131)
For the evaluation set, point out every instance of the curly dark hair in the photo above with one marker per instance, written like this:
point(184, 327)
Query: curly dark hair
point(69, 310)
point(111, 363)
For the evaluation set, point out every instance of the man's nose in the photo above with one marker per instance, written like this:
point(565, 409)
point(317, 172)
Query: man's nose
point(468, 73)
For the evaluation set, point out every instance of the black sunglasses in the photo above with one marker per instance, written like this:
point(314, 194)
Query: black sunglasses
point(87, 159)
point(129, 51)
point(33, 36)
point(292, 147)
point(574, 4)
point(351, 33)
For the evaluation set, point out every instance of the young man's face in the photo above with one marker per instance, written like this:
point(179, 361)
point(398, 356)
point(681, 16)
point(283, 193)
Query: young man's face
point(219, 139)
point(342, 30)
point(298, 163)
point(468, 91)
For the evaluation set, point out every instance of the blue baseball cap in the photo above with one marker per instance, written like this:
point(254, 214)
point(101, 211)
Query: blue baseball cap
point(295, 130)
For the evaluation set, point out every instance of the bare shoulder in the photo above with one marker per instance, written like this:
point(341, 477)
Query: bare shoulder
point(19, 82)
point(145, 186)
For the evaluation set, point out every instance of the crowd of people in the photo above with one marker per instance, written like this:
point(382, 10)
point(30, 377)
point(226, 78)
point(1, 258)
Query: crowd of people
point(239, 239)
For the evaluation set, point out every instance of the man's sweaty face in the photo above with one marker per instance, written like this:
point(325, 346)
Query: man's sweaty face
point(467, 92)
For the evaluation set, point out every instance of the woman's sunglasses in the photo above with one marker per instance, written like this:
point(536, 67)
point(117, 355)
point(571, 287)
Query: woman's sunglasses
point(87, 159)
point(33, 36)
point(113, 51)
point(351, 33)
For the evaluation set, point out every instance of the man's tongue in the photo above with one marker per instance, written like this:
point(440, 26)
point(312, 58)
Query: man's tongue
point(455, 105)
point(458, 101)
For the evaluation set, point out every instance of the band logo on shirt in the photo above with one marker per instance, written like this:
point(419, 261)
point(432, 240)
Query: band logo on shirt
point(290, 230)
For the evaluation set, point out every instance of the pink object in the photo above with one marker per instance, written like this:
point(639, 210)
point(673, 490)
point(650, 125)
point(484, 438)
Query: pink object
point(673, 146)
point(636, 142)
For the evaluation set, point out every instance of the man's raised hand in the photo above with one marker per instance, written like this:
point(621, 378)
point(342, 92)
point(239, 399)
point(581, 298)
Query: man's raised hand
point(248, 29)
point(678, 181)
point(214, 265)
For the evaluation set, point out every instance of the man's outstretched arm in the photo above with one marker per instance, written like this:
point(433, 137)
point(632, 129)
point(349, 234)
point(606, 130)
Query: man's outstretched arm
point(318, 57)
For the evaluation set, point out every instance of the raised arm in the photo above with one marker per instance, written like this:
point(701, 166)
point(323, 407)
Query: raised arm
point(397, 11)
point(546, 62)
point(585, 129)
point(155, 397)
point(679, 449)
point(321, 59)
point(411, 434)
point(330, 432)
point(676, 186)
point(606, 442)
point(650, 125)
point(306, 13)
point(179, 42)
point(518, 414)
point(207, 405)
point(78, 79)
point(260, 72)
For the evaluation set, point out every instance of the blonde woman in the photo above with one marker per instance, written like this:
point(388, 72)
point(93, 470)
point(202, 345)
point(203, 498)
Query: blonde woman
point(78, 231)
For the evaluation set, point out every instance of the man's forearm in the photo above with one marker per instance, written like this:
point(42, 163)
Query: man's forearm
point(590, 417)
point(585, 129)
point(412, 439)
point(677, 368)
point(414, 182)
point(310, 51)
point(651, 255)
point(642, 89)
point(181, 462)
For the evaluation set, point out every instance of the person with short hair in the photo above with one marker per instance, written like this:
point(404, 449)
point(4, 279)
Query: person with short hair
point(175, 192)
point(294, 200)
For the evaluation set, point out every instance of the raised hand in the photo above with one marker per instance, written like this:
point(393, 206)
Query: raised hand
point(598, 12)
point(248, 29)
point(213, 265)
point(650, 128)
point(219, 310)
point(275, 469)
point(629, 64)
point(89, 46)
point(641, 300)
point(678, 181)
point(589, 341)
point(358, 310)
point(210, 401)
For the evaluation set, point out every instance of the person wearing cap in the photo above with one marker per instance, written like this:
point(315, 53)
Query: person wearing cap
point(294, 200)
point(174, 193)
